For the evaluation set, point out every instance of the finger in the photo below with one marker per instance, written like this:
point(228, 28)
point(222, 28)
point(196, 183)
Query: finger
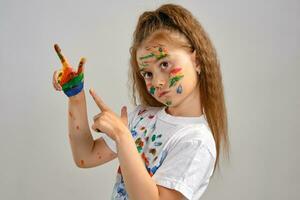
point(95, 129)
point(97, 116)
point(124, 115)
point(98, 101)
point(58, 51)
point(55, 83)
point(81, 65)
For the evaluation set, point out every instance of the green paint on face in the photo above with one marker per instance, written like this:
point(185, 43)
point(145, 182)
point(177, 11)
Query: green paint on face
point(152, 90)
point(174, 80)
point(168, 103)
point(147, 56)
point(157, 52)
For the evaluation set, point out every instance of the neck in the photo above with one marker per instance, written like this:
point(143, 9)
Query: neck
point(190, 107)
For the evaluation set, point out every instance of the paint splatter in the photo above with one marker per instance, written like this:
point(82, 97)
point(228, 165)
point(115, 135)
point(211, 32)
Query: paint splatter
point(141, 111)
point(174, 80)
point(82, 162)
point(157, 52)
point(157, 143)
point(153, 138)
point(179, 89)
point(70, 80)
point(139, 144)
point(168, 103)
point(133, 133)
point(152, 90)
point(173, 72)
point(152, 151)
point(147, 139)
point(150, 116)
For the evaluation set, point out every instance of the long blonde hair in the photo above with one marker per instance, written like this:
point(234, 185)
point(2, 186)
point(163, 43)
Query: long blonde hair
point(177, 19)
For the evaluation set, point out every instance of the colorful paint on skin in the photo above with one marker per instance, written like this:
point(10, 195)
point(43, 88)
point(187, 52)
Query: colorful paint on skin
point(152, 90)
point(70, 80)
point(157, 52)
point(179, 89)
point(168, 103)
point(175, 75)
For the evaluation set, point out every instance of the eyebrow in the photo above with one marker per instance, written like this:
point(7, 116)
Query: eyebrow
point(147, 62)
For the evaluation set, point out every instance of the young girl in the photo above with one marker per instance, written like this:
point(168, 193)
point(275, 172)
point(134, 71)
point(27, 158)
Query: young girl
point(168, 147)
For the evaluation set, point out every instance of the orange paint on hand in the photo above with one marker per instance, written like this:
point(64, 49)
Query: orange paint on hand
point(67, 72)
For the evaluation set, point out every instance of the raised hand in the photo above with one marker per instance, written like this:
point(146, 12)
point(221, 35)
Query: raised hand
point(66, 79)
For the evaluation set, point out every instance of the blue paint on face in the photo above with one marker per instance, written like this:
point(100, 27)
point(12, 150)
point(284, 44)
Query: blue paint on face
point(179, 89)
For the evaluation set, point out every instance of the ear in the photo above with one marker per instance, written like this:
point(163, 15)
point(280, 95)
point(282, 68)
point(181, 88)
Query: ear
point(194, 60)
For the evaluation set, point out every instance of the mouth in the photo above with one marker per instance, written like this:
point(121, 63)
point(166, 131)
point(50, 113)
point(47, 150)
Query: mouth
point(163, 93)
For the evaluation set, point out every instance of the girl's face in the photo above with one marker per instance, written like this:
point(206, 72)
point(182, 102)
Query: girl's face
point(169, 72)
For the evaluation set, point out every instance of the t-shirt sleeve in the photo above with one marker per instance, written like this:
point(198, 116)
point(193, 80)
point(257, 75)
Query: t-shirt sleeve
point(186, 168)
point(110, 142)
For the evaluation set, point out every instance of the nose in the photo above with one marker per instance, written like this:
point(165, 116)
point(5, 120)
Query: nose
point(159, 81)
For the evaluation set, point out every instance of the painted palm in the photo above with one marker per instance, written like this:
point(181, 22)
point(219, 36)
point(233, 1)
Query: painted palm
point(70, 80)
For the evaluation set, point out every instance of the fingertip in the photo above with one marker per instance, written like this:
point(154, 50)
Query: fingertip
point(91, 90)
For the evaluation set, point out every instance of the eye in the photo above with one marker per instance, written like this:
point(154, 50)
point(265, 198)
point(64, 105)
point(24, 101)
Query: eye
point(146, 74)
point(164, 64)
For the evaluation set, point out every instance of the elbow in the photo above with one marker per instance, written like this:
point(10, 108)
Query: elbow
point(81, 164)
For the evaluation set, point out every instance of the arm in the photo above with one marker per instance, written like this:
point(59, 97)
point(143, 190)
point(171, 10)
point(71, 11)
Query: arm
point(86, 152)
point(138, 182)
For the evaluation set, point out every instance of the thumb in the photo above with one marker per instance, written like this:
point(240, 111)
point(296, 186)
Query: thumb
point(124, 116)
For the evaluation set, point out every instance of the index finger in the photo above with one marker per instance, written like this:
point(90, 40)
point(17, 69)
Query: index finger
point(58, 51)
point(98, 100)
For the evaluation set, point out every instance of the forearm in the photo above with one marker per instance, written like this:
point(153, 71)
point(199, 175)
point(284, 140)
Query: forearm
point(81, 140)
point(138, 182)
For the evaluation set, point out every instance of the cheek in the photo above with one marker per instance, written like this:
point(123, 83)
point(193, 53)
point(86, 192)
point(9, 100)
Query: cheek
point(175, 75)
point(150, 88)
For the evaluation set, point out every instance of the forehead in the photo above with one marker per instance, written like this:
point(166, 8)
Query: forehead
point(153, 47)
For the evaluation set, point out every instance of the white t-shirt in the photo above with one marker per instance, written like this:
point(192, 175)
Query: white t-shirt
point(179, 152)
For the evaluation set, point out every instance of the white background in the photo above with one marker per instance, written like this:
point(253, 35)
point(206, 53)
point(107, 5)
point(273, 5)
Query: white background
point(258, 47)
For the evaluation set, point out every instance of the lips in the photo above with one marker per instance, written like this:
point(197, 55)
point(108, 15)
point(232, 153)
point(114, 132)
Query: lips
point(163, 93)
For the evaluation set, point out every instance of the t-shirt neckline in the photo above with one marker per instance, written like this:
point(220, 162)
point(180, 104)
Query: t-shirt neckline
point(162, 114)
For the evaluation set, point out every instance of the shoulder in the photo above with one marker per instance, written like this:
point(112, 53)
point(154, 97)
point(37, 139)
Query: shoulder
point(196, 134)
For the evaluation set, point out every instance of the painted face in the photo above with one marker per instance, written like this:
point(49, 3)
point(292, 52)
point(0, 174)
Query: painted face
point(169, 72)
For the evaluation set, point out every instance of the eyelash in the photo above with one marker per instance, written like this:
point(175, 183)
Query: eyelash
point(144, 73)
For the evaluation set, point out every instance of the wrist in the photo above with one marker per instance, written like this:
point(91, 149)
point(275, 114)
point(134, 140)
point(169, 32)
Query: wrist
point(77, 97)
point(123, 136)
